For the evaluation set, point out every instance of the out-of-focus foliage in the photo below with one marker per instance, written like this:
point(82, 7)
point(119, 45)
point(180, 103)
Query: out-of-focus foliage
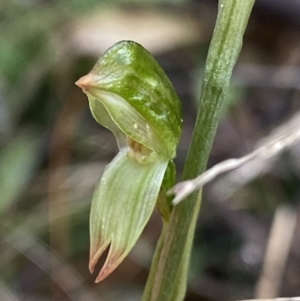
point(18, 161)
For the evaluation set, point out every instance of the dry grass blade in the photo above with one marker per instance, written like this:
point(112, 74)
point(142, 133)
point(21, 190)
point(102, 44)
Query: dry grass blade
point(65, 276)
point(284, 225)
point(282, 138)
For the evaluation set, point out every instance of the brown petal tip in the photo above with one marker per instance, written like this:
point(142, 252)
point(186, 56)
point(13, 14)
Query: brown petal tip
point(106, 271)
point(112, 261)
point(86, 81)
point(95, 255)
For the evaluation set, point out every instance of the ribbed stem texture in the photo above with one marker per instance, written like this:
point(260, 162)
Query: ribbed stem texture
point(169, 272)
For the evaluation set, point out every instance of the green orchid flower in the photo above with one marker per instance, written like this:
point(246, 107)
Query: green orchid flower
point(130, 95)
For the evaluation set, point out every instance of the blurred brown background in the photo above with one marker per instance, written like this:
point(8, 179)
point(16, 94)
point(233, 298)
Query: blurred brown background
point(53, 152)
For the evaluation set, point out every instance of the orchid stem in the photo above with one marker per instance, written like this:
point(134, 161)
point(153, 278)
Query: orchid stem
point(168, 274)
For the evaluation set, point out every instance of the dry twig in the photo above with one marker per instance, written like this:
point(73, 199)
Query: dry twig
point(282, 138)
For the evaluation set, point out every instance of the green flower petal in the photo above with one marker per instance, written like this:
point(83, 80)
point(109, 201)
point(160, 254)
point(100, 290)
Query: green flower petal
point(129, 71)
point(121, 207)
point(125, 118)
point(130, 95)
point(102, 116)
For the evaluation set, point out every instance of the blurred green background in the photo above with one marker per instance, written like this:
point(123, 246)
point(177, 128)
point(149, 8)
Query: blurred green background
point(53, 152)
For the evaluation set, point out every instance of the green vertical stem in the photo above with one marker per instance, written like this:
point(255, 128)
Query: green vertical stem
point(169, 271)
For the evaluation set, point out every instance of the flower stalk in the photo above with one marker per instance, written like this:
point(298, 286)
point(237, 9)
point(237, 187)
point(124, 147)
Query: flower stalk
point(168, 274)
